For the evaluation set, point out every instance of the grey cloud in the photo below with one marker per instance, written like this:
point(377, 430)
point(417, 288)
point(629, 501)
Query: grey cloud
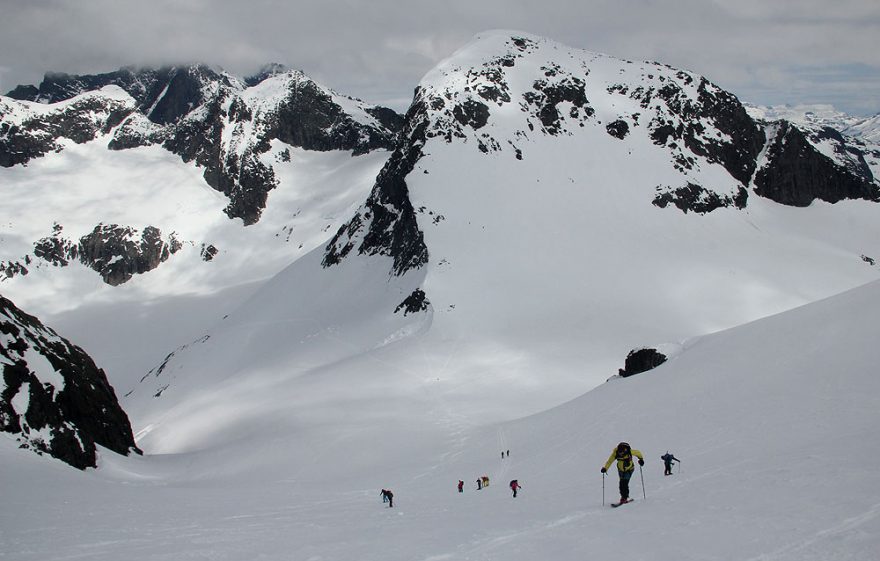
point(379, 50)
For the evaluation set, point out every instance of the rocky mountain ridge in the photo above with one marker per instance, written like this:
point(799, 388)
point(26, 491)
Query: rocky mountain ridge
point(235, 130)
point(53, 398)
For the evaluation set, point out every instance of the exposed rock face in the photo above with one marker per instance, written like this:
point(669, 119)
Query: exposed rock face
point(695, 198)
point(52, 397)
point(796, 173)
point(386, 224)
point(414, 303)
point(208, 252)
point(220, 122)
point(681, 105)
point(25, 135)
point(618, 129)
point(163, 95)
point(641, 360)
point(116, 252)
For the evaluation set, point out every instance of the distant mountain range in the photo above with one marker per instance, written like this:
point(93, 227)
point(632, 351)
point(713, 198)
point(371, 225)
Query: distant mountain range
point(866, 129)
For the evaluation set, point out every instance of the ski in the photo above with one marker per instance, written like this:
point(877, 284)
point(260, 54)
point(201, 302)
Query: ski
point(615, 505)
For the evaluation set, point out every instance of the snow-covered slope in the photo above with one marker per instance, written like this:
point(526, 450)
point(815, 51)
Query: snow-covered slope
point(131, 207)
point(773, 422)
point(523, 248)
point(118, 192)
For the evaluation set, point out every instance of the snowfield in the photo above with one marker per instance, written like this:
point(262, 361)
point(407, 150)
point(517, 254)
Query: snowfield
point(773, 422)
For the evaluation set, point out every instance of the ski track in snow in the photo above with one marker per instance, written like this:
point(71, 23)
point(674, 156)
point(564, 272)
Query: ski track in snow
point(829, 543)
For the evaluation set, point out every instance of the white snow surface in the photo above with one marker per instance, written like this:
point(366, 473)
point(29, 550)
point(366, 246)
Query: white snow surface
point(290, 402)
point(773, 422)
point(87, 184)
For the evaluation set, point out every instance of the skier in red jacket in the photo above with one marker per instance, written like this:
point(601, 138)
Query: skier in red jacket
point(514, 486)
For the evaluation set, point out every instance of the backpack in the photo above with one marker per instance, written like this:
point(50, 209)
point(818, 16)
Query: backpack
point(514, 484)
point(624, 454)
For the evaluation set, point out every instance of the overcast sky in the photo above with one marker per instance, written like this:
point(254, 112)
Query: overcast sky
point(764, 51)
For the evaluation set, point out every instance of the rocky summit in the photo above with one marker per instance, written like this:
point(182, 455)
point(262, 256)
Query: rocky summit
point(504, 92)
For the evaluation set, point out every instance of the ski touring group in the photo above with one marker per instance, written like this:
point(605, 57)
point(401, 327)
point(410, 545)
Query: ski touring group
point(622, 453)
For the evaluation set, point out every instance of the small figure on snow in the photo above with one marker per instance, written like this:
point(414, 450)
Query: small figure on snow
point(479, 484)
point(623, 453)
point(667, 462)
point(514, 486)
point(388, 497)
point(460, 486)
point(485, 480)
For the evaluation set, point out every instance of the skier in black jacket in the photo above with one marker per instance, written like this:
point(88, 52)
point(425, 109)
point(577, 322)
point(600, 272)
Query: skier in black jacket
point(667, 462)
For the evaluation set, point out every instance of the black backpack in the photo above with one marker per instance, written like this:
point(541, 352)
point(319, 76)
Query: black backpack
point(624, 453)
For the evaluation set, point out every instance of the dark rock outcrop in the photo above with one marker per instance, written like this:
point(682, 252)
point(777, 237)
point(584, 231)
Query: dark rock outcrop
point(547, 94)
point(797, 173)
point(310, 119)
point(54, 399)
point(208, 252)
point(618, 129)
point(694, 198)
point(116, 252)
point(641, 360)
point(414, 303)
point(39, 134)
point(386, 224)
point(679, 122)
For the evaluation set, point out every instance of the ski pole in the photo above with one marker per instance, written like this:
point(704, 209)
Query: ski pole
point(603, 489)
point(642, 474)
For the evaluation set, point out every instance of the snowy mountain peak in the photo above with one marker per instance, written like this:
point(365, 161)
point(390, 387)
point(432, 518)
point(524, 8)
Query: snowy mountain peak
point(506, 95)
point(266, 71)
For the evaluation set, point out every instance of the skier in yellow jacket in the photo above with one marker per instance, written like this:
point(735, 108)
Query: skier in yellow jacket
point(623, 453)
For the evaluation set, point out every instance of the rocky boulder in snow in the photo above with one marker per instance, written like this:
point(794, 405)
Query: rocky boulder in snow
point(116, 252)
point(641, 360)
point(53, 398)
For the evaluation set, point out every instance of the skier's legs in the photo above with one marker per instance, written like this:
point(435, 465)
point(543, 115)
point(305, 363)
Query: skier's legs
point(624, 483)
